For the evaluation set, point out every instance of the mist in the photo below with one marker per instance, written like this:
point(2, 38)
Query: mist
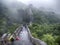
point(17, 10)
point(41, 16)
point(51, 5)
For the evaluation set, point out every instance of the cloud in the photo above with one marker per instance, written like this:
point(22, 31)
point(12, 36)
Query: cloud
point(53, 4)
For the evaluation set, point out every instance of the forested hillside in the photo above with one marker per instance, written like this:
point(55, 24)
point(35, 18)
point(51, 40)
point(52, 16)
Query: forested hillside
point(45, 25)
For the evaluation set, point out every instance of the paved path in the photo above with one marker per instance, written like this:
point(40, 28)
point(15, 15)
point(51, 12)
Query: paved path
point(24, 40)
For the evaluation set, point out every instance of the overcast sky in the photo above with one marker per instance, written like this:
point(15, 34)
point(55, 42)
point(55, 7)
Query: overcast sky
point(53, 4)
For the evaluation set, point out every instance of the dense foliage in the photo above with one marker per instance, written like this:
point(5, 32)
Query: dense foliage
point(48, 33)
point(45, 25)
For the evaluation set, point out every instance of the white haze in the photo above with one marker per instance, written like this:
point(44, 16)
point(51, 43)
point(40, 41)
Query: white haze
point(48, 4)
point(42, 4)
point(53, 5)
point(14, 5)
point(15, 8)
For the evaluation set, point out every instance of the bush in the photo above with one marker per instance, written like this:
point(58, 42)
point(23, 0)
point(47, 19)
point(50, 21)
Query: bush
point(49, 39)
point(58, 40)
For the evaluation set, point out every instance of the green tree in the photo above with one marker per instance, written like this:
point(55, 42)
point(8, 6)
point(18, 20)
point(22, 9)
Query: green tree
point(49, 39)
